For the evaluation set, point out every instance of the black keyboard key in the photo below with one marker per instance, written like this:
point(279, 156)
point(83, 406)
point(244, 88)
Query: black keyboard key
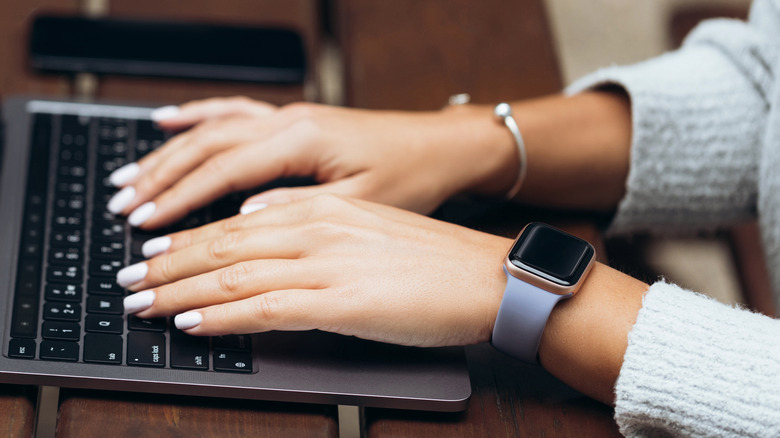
point(24, 322)
point(31, 249)
point(115, 149)
point(104, 286)
point(28, 285)
point(233, 342)
point(60, 273)
point(105, 349)
point(39, 156)
point(71, 255)
point(146, 349)
point(59, 350)
point(29, 268)
point(72, 172)
point(73, 155)
point(66, 188)
point(232, 361)
point(104, 324)
point(108, 232)
point(22, 348)
point(108, 249)
point(72, 237)
point(106, 268)
point(67, 292)
point(62, 312)
point(136, 248)
point(74, 220)
point(61, 331)
point(69, 204)
point(189, 352)
point(147, 325)
point(105, 305)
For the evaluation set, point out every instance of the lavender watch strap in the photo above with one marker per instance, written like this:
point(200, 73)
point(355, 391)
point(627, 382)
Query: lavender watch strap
point(521, 319)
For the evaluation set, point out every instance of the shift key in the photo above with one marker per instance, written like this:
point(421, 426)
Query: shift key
point(189, 352)
point(146, 349)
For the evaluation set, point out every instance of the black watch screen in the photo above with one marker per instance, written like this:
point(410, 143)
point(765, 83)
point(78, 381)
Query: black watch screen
point(551, 254)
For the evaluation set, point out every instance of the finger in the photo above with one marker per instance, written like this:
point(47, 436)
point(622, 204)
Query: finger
point(180, 117)
point(233, 283)
point(191, 113)
point(296, 309)
point(231, 170)
point(355, 186)
point(162, 168)
point(292, 214)
point(266, 243)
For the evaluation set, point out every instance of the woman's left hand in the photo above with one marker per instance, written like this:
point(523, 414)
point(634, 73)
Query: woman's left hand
point(330, 263)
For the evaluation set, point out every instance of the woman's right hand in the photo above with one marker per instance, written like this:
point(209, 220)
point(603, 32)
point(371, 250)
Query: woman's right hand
point(410, 160)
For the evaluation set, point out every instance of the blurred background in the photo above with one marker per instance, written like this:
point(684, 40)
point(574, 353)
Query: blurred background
point(413, 54)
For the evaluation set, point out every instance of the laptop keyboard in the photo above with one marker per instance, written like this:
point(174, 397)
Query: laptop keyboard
point(67, 305)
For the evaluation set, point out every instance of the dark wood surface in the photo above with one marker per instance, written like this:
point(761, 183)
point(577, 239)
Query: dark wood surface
point(414, 54)
point(15, 75)
point(117, 414)
point(17, 410)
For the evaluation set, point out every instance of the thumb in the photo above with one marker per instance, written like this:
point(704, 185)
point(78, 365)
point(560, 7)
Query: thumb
point(351, 187)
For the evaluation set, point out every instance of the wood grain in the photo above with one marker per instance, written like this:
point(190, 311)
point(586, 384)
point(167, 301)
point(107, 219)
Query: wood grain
point(17, 410)
point(85, 414)
point(413, 54)
point(16, 77)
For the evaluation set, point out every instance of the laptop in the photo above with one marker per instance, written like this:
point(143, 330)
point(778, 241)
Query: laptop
point(64, 324)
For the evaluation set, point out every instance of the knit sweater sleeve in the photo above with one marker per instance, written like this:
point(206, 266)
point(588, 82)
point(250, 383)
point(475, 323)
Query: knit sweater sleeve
point(698, 117)
point(712, 374)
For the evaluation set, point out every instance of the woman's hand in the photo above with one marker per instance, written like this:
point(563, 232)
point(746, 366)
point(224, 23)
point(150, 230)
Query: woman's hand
point(340, 265)
point(410, 160)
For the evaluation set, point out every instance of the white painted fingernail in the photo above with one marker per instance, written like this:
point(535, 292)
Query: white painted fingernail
point(165, 112)
point(139, 301)
point(141, 214)
point(155, 246)
point(251, 208)
point(124, 174)
point(188, 320)
point(132, 274)
point(122, 199)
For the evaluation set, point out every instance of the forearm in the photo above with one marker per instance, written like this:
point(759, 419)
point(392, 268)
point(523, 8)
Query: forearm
point(577, 147)
point(586, 336)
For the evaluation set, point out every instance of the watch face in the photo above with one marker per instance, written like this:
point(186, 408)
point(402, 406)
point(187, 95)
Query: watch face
point(551, 254)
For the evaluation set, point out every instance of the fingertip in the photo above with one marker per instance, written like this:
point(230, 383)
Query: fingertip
point(252, 207)
point(124, 175)
point(188, 320)
point(165, 113)
point(156, 246)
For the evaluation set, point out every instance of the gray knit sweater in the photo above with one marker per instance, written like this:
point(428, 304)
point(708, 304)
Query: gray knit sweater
point(705, 154)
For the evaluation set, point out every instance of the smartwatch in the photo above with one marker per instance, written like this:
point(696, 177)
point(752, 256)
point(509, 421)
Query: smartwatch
point(544, 266)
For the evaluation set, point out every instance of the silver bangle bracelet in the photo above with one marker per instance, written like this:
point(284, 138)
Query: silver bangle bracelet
point(504, 111)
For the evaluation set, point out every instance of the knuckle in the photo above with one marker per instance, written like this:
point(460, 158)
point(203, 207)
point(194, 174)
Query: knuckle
point(266, 307)
point(219, 166)
point(232, 278)
point(222, 248)
point(156, 179)
point(166, 269)
point(232, 224)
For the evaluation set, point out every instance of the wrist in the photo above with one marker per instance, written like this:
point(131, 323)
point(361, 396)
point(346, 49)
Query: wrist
point(487, 149)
